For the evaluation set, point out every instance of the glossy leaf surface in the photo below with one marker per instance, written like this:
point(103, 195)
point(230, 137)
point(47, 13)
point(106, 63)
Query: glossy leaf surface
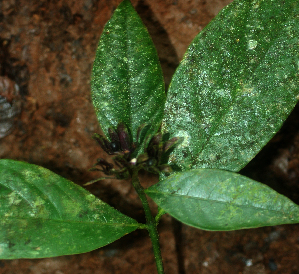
point(44, 215)
point(127, 82)
point(236, 85)
point(214, 199)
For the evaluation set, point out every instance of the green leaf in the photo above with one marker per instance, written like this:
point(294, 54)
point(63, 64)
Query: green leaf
point(127, 82)
point(44, 215)
point(213, 199)
point(236, 85)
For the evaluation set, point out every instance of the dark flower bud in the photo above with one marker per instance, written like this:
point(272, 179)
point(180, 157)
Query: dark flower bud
point(124, 137)
point(114, 139)
point(114, 146)
point(153, 159)
point(104, 164)
point(103, 142)
point(157, 138)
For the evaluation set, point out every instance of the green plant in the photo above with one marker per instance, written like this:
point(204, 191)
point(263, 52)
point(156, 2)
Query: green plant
point(231, 93)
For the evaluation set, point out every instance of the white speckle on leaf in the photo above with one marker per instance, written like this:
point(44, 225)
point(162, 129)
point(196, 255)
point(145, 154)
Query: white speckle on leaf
point(14, 198)
point(38, 202)
point(90, 197)
point(256, 5)
point(3, 246)
point(186, 136)
point(252, 44)
point(96, 216)
point(32, 214)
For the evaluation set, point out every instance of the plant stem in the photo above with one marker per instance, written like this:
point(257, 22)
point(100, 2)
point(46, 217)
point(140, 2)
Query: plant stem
point(150, 222)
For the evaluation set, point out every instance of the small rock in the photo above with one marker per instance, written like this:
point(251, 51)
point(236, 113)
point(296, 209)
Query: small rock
point(10, 105)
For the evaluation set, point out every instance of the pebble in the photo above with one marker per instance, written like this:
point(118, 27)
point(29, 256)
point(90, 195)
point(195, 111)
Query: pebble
point(10, 105)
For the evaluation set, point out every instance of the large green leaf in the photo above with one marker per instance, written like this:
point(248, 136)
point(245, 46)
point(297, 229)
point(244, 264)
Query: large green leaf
point(214, 199)
point(127, 82)
point(236, 85)
point(44, 215)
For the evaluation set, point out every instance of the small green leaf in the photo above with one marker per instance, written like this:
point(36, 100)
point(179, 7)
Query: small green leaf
point(45, 215)
point(236, 85)
point(127, 82)
point(213, 199)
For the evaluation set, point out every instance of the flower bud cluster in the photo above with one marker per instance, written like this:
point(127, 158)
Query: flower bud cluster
point(153, 159)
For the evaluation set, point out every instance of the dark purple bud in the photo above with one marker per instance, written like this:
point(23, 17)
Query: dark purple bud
point(102, 162)
point(113, 135)
point(103, 142)
point(152, 151)
point(124, 137)
point(106, 167)
point(120, 161)
point(115, 146)
point(157, 138)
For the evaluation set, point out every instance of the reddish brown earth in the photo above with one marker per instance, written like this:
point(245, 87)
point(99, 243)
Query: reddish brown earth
point(47, 48)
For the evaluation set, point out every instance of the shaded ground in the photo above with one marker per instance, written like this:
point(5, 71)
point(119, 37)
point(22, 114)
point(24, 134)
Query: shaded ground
point(47, 48)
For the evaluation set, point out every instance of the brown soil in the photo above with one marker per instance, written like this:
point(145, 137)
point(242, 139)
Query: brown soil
point(47, 48)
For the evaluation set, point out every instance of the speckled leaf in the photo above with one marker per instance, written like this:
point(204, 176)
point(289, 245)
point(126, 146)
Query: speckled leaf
point(44, 215)
point(127, 82)
point(236, 85)
point(214, 199)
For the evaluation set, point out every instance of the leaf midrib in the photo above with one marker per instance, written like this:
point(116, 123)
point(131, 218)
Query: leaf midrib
point(74, 221)
point(211, 200)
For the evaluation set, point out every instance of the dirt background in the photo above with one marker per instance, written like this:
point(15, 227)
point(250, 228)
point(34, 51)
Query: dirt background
point(47, 48)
